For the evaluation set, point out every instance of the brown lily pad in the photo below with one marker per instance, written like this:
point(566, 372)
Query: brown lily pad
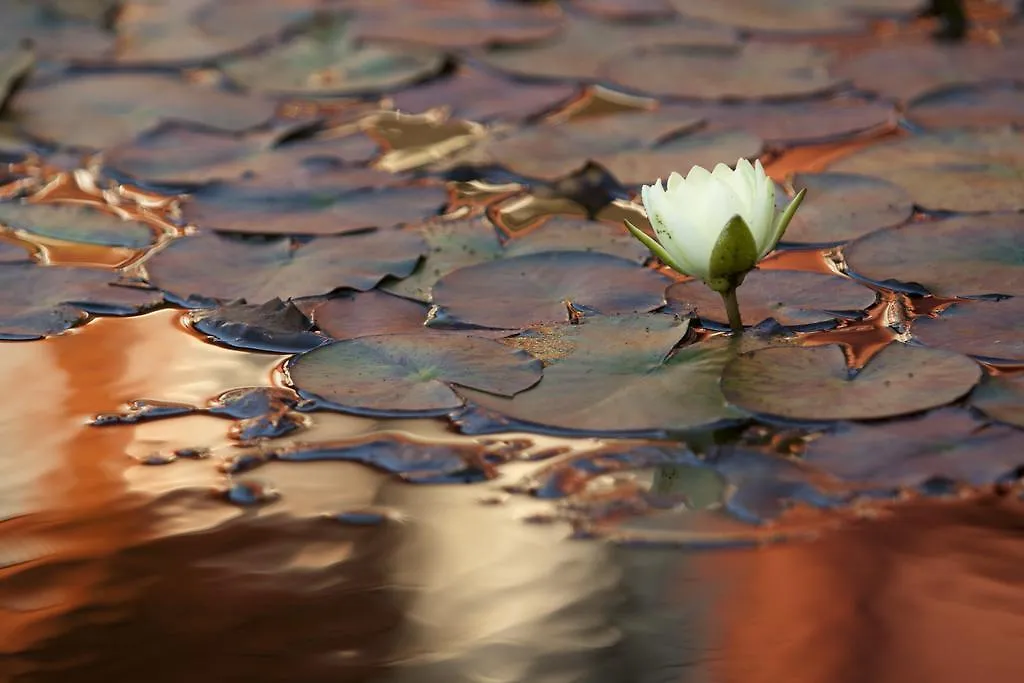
point(792, 298)
point(989, 329)
point(1001, 398)
point(626, 10)
point(992, 107)
point(749, 71)
point(969, 256)
point(75, 223)
point(707, 149)
point(816, 384)
point(795, 15)
point(950, 170)
point(55, 33)
point(843, 206)
point(15, 65)
point(367, 314)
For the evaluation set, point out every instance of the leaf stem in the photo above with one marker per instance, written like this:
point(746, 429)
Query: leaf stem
point(732, 308)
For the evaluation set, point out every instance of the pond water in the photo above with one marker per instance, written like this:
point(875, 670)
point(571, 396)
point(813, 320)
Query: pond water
point(484, 437)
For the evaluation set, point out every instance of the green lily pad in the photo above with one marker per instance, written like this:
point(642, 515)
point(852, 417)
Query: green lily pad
point(842, 206)
point(207, 268)
point(816, 384)
point(519, 291)
point(993, 107)
point(946, 443)
point(989, 329)
point(39, 301)
point(106, 109)
point(950, 170)
point(367, 314)
point(618, 376)
point(792, 298)
point(969, 256)
point(76, 223)
point(15, 64)
point(749, 71)
point(410, 373)
point(326, 59)
point(794, 15)
point(1001, 398)
point(331, 205)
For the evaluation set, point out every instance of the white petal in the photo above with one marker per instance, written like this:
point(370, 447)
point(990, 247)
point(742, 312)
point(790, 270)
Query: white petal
point(674, 180)
point(698, 174)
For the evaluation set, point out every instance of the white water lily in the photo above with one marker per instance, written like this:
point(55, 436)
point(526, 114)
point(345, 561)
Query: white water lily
point(715, 225)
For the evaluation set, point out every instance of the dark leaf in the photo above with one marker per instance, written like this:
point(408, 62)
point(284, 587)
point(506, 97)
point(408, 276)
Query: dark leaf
point(274, 326)
point(990, 329)
point(76, 223)
point(15, 64)
point(368, 314)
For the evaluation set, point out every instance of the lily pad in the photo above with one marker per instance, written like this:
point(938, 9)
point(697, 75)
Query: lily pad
point(204, 269)
point(969, 256)
point(795, 15)
point(325, 59)
point(39, 301)
point(628, 10)
point(13, 253)
point(585, 45)
point(750, 71)
point(76, 223)
point(989, 329)
point(843, 206)
point(546, 287)
point(55, 33)
point(367, 314)
point(15, 64)
point(477, 95)
point(619, 376)
point(106, 109)
point(945, 443)
point(993, 107)
point(410, 373)
point(908, 71)
point(265, 206)
point(636, 167)
point(1001, 398)
point(792, 298)
point(275, 326)
point(816, 384)
point(950, 170)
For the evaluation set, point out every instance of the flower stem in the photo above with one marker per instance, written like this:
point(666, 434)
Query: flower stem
point(732, 307)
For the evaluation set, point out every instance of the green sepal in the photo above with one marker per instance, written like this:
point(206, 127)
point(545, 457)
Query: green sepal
point(655, 248)
point(782, 222)
point(735, 254)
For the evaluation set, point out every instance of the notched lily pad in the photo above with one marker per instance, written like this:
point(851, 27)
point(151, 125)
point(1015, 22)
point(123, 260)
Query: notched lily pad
point(619, 374)
point(794, 299)
point(327, 59)
point(989, 329)
point(748, 71)
point(947, 443)
point(842, 206)
point(1001, 398)
point(276, 326)
point(410, 373)
point(201, 270)
point(39, 301)
point(106, 109)
point(76, 223)
point(366, 314)
point(950, 170)
point(816, 384)
point(993, 107)
point(552, 286)
point(969, 256)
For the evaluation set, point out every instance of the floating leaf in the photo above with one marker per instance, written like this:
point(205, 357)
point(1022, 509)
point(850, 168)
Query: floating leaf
point(368, 314)
point(748, 71)
point(950, 170)
point(794, 15)
point(706, 149)
point(207, 268)
point(326, 207)
point(13, 253)
point(105, 109)
point(842, 206)
point(791, 298)
point(619, 376)
point(410, 373)
point(816, 384)
point(76, 223)
point(54, 34)
point(585, 45)
point(1001, 398)
point(274, 326)
point(969, 108)
point(629, 10)
point(561, 233)
point(38, 301)
point(326, 60)
point(990, 329)
point(14, 66)
point(969, 256)
point(477, 95)
point(546, 287)
point(948, 443)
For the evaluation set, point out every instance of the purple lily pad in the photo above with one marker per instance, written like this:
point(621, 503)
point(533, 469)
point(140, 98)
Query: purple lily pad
point(841, 207)
point(76, 223)
point(368, 314)
point(992, 107)
point(989, 329)
point(207, 268)
point(799, 16)
point(1001, 398)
